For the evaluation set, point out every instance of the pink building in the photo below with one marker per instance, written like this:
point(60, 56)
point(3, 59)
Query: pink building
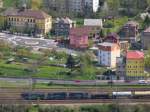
point(79, 37)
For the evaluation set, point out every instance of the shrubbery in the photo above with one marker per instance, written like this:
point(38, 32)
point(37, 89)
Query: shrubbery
point(87, 108)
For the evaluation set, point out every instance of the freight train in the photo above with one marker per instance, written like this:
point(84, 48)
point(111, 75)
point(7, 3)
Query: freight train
point(85, 95)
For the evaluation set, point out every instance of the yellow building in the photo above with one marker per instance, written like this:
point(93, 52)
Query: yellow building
point(25, 19)
point(135, 65)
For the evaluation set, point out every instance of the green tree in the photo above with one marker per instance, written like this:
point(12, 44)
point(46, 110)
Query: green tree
point(70, 62)
point(102, 33)
point(113, 6)
point(146, 22)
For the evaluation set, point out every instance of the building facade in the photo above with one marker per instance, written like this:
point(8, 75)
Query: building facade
point(60, 6)
point(84, 5)
point(112, 38)
point(94, 24)
point(135, 65)
point(107, 54)
point(62, 27)
point(1, 3)
point(32, 20)
point(72, 6)
point(120, 67)
point(129, 31)
point(78, 38)
point(146, 39)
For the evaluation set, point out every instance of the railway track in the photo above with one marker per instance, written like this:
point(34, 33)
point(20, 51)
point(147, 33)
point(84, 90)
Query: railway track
point(61, 102)
point(13, 96)
point(14, 90)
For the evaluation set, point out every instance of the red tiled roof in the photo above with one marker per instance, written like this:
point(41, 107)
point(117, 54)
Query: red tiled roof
point(26, 13)
point(80, 31)
point(135, 55)
point(132, 23)
point(147, 30)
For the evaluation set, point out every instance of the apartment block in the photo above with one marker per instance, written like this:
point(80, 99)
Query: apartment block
point(108, 53)
point(72, 6)
point(135, 65)
point(23, 19)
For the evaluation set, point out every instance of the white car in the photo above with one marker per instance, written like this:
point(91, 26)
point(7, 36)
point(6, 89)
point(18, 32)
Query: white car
point(142, 82)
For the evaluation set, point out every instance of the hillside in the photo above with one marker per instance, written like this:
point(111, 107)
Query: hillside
point(35, 4)
point(10, 3)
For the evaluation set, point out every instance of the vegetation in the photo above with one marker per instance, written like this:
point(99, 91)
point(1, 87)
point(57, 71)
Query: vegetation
point(84, 108)
point(22, 62)
point(147, 59)
point(114, 25)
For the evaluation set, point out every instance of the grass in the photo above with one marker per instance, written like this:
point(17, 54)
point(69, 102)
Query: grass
point(6, 84)
point(16, 69)
point(51, 72)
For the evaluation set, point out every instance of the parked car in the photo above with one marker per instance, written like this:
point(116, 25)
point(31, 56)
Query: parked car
point(142, 82)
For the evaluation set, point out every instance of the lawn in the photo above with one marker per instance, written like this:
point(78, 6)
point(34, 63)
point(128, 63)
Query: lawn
point(18, 84)
point(51, 72)
point(18, 70)
point(12, 70)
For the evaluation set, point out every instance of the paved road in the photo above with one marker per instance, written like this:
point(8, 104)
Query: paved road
point(29, 41)
point(34, 43)
point(73, 82)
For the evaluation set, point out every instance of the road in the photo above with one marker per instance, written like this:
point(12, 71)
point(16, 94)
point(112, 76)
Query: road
point(68, 82)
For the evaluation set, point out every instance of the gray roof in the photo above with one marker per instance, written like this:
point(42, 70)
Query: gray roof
point(106, 44)
point(65, 20)
point(93, 22)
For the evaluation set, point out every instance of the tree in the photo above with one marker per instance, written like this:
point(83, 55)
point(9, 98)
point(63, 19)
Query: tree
point(70, 62)
point(36, 4)
point(86, 65)
point(113, 6)
point(147, 59)
point(146, 22)
point(102, 33)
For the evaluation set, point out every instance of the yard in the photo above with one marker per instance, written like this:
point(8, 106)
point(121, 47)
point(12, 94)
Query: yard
point(114, 25)
point(22, 62)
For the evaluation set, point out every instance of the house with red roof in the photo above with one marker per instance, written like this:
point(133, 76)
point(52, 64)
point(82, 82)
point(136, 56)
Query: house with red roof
point(112, 38)
point(79, 37)
point(135, 65)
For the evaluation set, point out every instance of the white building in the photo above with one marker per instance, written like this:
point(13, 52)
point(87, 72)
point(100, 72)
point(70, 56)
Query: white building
point(94, 4)
point(107, 54)
point(93, 22)
point(79, 5)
